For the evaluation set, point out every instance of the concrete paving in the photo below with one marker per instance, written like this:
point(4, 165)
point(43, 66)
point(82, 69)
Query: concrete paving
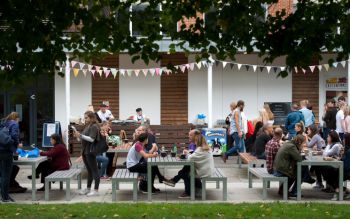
point(238, 190)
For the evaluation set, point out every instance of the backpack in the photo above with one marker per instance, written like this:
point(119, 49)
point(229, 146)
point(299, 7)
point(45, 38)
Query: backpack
point(5, 138)
point(99, 146)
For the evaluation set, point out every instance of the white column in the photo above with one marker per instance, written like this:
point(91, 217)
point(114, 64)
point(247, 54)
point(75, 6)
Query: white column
point(348, 80)
point(210, 94)
point(67, 86)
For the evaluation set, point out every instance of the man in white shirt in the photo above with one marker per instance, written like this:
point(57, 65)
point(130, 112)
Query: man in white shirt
point(104, 113)
point(340, 119)
point(139, 117)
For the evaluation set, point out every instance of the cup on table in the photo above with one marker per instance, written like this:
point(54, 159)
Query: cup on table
point(15, 157)
point(173, 154)
point(183, 156)
point(163, 154)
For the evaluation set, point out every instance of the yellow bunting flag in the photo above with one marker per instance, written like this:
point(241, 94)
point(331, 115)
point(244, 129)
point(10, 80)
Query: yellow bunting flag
point(75, 72)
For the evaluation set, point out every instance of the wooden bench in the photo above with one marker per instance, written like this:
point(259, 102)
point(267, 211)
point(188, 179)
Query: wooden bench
point(258, 169)
point(123, 175)
point(62, 176)
point(217, 177)
point(245, 158)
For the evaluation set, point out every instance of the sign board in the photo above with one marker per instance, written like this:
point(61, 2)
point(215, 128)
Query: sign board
point(216, 138)
point(280, 110)
point(337, 83)
point(48, 130)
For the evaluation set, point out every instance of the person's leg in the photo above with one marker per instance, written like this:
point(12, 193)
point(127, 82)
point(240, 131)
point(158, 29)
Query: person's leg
point(184, 171)
point(6, 169)
point(187, 181)
point(13, 182)
point(305, 174)
point(198, 183)
point(91, 159)
point(235, 146)
point(103, 161)
point(89, 171)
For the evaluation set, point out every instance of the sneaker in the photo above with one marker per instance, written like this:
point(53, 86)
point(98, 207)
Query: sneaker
point(319, 186)
point(104, 178)
point(42, 189)
point(309, 180)
point(145, 191)
point(18, 189)
point(184, 195)
point(155, 190)
point(84, 191)
point(8, 200)
point(169, 183)
point(92, 193)
point(335, 197)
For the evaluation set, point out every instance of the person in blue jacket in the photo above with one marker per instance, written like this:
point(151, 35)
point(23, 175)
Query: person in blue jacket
point(293, 117)
point(6, 155)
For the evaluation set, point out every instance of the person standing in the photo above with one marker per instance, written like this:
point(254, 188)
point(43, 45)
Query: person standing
point(293, 118)
point(308, 115)
point(329, 118)
point(236, 131)
point(90, 133)
point(340, 116)
point(6, 155)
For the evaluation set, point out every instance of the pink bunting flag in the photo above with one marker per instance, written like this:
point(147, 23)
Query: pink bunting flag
point(137, 72)
point(157, 71)
point(107, 72)
point(74, 63)
point(152, 71)
point(183, 68)
point(312, 68)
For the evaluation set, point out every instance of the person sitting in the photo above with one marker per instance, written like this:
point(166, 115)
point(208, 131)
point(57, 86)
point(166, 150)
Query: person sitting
point(191, 137)
point(251, 141)
point(59, 159)
point(271, 149)
point(316, 141)
point(286, 161)
point(136, 161)
point(299, 128)
point(102, 159)
point(261, 141)
point(139, 117)
point(104, 114)
point(293, 117)
point(151, 139)
point(203, 163)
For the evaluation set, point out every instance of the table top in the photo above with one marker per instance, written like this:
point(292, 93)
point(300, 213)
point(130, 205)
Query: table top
point(319, 160)
point(29, 161)
point(168, 159)
point(124, 148)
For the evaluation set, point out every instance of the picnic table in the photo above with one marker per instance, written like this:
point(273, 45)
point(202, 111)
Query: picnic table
point(34, 162)
point(318, 161)
point(119, 149)
point(168, 161)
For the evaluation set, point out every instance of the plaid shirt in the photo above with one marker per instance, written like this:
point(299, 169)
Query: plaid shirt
point(270, 152)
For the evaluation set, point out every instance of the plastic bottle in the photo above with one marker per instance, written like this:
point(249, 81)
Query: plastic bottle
point(175, 148)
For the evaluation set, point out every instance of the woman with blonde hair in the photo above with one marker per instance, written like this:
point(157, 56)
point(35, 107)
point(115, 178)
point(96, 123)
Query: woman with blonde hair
point(203, 164)
point(269, 114)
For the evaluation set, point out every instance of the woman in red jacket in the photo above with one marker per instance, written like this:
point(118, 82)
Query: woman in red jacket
point(58, 159)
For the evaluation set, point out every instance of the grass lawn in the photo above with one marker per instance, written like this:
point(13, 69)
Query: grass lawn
point(95, 210)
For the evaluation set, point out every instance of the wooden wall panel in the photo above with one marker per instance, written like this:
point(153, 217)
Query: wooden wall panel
point(106, 89)
point(174, 92)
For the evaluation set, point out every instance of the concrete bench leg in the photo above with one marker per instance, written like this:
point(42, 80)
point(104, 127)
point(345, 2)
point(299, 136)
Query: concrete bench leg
point(218, 184)
point(250, 179)
point(114, 192)
point(204, 190)
point(268, 184)
point(67, 190)
point(264, 189)
point(79, 180)
point(239, 162)
point(47, 188)
point(49, 185)
point(224, 189)
point(285, 190)
point(61, 185)
point(134, 190)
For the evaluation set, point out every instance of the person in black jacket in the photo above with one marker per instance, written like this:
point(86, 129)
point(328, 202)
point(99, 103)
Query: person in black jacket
point(264, 136)
point(329, 118)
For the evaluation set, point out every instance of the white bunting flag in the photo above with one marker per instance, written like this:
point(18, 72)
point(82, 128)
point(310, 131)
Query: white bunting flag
point(191, 66)
point(335, 64)
point(122, 72)
point(343, 63)
point(114, 72)
point(84, 72)
point(137, 71)
point(145, 71)
point(296, 70)
point(183, 68)
point(199, 65)
point(129, 71)
point(239, 66)
point(152, 71)
point(224, 64)
point(81, 65)
point(303, 70)
point(283, 68)
point(100, 72)
point(268, 69)
point(319, 67)
point(255, 67)
point(89, 67)
point(204, 63)
point(326, 66)
point(312, 68)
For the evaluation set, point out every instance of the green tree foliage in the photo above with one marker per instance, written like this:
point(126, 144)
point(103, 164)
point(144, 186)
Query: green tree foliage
point(36, 34)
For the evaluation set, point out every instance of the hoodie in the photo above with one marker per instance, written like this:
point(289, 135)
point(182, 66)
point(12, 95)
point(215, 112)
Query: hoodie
point(203, 162)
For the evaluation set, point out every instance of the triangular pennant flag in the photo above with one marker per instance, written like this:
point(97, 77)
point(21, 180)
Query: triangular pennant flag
point(199, 65)
point(107, 72)
point(157, 71)
point(296, 70)
point(232, 65)
point(152, 71)
point(145, 71)
point(335, 64)
point(97, 68)
point(161, 70)
point(304, 70)
point(326, 66)
point(137, 71)
point(93, 71)
point(188, 66)
point(247, 67)
point(168, 72)
point(114, 72)
point(268, 69)
point(89, 67)
point(343, 63)
point(312, 68)
point(183, 68)
point(129, 72)
point(275, 69)
point(177, 67)
point(191, 66)
point(255, 67)
point(239, 66)
point(75, 72)
point(319, 67)
point(204, 63)
point(282, 68)
point(261, 69)
point(84, 72)
point(100, 72)
point(81, 65)
point(224, 64)
point(74, 63)
point(122, 72)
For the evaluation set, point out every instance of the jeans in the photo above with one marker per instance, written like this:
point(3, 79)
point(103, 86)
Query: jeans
point(6, 162)
point(14, 172)
point(184, 174)
point(238, 144)
point(142, 168)
point(44, 169)
point(92, 169)
point(103, 160)
point(325, 133)
point(291, 182)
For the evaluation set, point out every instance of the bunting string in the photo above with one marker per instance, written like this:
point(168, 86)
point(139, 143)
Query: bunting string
point(79, 67)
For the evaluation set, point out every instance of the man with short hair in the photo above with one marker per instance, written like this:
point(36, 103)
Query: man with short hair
point(104, 113)
point(236, 131)
point(293, 117)
point(340, 119)
point(139, 117)
point(191, 135)
point(329, 118)
point(308, 115)
point(271, 149)
point(261, 141)
point(151, 138)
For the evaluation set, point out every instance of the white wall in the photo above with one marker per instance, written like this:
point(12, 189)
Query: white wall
point(139, 91)
point(229, 85)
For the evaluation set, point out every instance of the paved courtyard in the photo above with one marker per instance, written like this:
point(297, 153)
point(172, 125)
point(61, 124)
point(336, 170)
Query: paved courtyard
point(238, 190)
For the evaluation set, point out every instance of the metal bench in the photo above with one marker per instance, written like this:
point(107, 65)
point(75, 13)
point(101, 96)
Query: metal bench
point(62, 176)
point(123, 175)
point(245, 158)
point(217, 177)
point(258, 169)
